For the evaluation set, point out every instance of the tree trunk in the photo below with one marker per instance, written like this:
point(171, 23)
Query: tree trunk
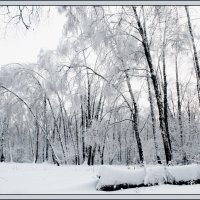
point(58, 131)
point(153, 120)
point(142, 31)
point(45, 148)
point(83, 129)
point(3, 141)
point(97, 115)
point(135, 117)
point(77, 140)
point(197, 68)
point(89, 153)
point(88, 122)
point(37, 142)
point(93, 154)
point(165, 98)
point(179, 112)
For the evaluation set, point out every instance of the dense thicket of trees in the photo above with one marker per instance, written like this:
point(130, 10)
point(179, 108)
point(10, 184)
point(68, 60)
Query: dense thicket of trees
point(122, 87)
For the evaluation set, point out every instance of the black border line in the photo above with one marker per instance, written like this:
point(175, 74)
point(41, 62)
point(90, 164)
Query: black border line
point(107, 193)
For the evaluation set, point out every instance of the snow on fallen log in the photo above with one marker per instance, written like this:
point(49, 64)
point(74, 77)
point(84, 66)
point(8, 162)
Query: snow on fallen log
point(186, 174)
point(112, 178)
point(155, 175)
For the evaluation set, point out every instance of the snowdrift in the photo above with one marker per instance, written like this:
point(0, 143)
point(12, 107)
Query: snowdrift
point(111, 178)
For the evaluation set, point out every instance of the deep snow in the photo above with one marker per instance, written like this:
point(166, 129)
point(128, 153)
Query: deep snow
point(49, 179)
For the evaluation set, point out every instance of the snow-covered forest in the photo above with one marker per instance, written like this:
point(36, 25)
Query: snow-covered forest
point(122, 87)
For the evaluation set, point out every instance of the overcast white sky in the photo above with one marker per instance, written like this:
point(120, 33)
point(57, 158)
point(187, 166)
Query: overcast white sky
point(24, 47)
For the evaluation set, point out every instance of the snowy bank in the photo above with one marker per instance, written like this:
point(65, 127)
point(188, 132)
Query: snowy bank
point(22, 178)
point(111, 178)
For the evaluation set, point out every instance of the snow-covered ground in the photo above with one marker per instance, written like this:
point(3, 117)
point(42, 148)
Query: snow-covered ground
point(50, 179)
